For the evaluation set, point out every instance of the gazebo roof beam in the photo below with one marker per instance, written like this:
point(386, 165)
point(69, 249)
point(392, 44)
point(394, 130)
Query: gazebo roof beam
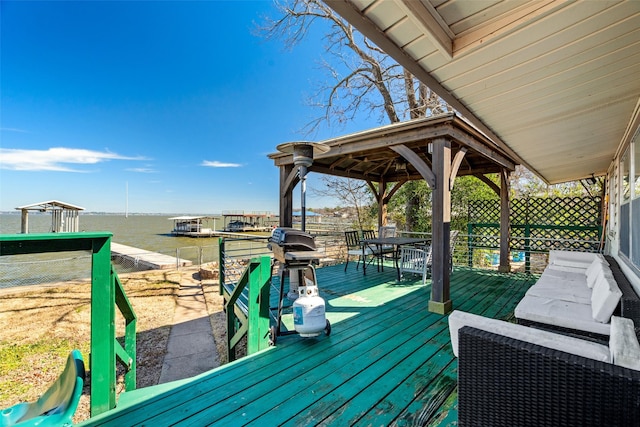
point(339, 161)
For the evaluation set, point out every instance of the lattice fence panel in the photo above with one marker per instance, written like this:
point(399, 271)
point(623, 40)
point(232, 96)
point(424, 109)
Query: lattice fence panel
point(484, 211)
point(567, 211)
point(553, 223)
point(485, 237)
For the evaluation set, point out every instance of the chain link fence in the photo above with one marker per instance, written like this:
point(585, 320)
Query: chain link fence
point(57, 267)
point(24, 270)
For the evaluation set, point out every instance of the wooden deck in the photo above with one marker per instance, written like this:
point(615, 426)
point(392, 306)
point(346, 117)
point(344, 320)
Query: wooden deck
point(388, 361)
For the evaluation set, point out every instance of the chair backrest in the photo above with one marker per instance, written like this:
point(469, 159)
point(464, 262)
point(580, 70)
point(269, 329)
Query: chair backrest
point(386, 231)
point(414, 260)
point(352, 238)
point(453, 236)
point(368, 234)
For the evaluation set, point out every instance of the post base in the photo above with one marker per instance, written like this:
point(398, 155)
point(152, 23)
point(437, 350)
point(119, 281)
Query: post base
point(504, 269)
point(441, 307)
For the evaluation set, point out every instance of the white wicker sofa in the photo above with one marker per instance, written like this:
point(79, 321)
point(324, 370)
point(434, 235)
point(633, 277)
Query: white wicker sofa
point(512, 375)
point(577, 292)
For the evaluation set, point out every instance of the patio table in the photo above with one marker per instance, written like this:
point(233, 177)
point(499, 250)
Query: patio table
point(395, 242)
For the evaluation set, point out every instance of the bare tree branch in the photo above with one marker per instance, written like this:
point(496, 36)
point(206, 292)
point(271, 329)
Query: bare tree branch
point(362, 79)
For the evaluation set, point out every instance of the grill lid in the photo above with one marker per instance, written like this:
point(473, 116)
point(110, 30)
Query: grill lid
point(291, 239)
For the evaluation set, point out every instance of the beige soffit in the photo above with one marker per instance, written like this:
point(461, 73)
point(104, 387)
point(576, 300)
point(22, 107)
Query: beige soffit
point(553, 83)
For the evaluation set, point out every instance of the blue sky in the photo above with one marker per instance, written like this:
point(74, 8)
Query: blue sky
point(178, 101)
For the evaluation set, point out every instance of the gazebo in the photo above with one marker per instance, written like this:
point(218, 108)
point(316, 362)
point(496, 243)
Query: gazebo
point(436, 149)
point(64, 216)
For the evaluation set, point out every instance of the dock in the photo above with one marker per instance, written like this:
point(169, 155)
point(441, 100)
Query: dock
point(124, 254)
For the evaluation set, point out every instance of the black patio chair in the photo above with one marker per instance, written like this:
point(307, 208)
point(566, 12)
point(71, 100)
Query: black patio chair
point(353, 241)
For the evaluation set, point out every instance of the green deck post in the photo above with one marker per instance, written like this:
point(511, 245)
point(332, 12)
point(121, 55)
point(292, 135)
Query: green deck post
point(105, 292)
point(129, 356)
point(102, 358)
point(259, 321)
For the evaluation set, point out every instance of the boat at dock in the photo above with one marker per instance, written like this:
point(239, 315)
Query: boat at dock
point(192, 226)
point(247, 222)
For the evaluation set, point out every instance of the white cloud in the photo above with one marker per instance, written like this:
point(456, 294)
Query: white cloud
point(55, 159)
point(217, 164)
point(141, 170)
point(13, 130)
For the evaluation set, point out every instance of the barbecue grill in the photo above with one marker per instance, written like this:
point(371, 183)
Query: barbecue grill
point(284, 240)
point(296, 252)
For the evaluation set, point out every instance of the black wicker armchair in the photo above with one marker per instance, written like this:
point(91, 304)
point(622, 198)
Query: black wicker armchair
point(508, 382)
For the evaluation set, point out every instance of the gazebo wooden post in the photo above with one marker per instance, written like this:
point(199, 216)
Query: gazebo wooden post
point(440, 301)
point(505, 264)
point(286, 196)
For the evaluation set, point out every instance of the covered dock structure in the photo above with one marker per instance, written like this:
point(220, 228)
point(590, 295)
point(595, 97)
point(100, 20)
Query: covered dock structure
point(65, 217)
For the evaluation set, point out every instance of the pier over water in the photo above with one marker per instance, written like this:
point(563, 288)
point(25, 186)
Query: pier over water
point(124, 254)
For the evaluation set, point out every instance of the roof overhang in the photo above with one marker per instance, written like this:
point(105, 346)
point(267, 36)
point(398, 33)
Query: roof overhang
point(554, 84)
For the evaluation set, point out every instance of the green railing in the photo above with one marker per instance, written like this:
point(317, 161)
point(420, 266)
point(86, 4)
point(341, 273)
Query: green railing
point(106, 294)
point(246, 304)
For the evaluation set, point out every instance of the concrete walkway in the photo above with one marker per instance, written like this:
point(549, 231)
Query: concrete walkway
point(191, 348)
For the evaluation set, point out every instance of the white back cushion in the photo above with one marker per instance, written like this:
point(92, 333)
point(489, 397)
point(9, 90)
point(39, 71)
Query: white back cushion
point(604, 298)
point(571, 258)
point(458, 319)
point(592, 273)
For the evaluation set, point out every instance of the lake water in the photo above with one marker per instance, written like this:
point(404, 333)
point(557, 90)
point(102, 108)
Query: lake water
point(149, 232)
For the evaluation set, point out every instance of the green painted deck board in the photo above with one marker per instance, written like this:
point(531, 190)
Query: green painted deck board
point(396, 388)
point(387, 360)
point(374, 359)
point(258, 399)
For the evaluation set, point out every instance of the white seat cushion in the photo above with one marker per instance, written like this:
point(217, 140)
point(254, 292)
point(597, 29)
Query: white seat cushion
point(458, 319)
point(367, 251)
point(551, 284)
point(564, 276)
point(575, 280)
point(577, 293)
point(560, 313)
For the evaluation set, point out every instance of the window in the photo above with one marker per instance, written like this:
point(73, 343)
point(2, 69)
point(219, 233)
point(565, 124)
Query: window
point(635, 204)
point(636, 164)
point(629, 196)
point(625, 206)
point(613, 201)
point(625, 172)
